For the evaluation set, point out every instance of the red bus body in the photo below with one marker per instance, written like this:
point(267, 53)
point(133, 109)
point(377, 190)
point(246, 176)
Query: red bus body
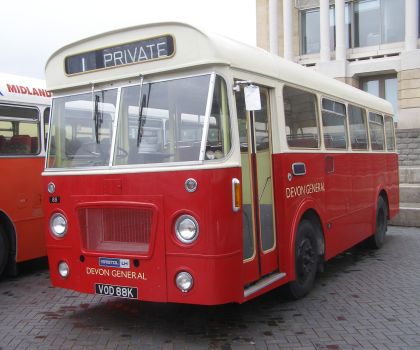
point(106, 209)
point(216, 262)
point(24, 103)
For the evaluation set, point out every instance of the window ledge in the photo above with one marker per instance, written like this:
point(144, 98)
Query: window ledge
point(358, 54)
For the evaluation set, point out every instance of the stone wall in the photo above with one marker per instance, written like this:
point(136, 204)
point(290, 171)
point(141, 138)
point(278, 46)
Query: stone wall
point(408, 145)
point(409, 88)
point(263, 40)
point(262, 24)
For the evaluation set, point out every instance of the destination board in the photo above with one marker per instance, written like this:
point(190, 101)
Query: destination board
point(121, 55)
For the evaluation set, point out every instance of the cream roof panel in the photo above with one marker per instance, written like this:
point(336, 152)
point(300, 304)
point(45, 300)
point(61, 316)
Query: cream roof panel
point(196, 48)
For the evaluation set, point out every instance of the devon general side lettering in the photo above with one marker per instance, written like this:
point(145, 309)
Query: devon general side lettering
point(297, 191)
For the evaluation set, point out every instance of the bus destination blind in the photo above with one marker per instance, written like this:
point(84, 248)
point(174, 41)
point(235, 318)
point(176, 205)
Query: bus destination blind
point(121, 55)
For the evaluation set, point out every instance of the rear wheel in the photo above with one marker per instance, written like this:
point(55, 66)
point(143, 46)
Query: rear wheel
point(4, 250)
point(306, 260)
point(377, 240)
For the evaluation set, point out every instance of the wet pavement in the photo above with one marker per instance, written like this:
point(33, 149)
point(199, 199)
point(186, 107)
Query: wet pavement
point(364, 300)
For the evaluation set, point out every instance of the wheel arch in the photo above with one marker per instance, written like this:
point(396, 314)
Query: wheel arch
point(384, 195)
point(9, 228)
point(380, 192)
point(307, 211)
point(312, 216)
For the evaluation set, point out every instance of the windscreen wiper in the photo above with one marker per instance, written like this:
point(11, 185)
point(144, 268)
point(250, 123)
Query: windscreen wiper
point(96, 118)
point(142, 103)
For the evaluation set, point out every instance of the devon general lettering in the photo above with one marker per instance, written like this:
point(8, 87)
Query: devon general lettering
point(115, 273)
point(297, 191)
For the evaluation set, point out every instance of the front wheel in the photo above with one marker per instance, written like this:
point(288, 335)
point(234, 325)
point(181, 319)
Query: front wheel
point(306, 260)
point(377, 240)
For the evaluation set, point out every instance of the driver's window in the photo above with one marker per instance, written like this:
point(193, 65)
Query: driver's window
point(218, 137)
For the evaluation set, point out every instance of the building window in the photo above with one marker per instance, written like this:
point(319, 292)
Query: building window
point(378, 22)
point(310, 31)
point(367, 23)
point(384, 86)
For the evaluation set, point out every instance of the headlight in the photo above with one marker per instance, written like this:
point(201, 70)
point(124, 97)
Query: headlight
point(186, 229)
point(58, 225)
point(184, 281)
point(63, 269)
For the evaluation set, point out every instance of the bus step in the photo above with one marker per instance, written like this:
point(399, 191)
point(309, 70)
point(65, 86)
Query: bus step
point(262, 283)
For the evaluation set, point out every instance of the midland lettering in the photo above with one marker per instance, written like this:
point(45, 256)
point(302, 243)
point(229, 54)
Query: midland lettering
point(25, 90)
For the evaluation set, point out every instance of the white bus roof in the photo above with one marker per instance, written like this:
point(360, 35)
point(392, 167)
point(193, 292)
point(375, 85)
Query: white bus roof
point(19, 89)
point(193, 48)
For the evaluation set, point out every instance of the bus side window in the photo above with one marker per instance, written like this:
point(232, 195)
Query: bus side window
point(19, 130)
point(334, 124)
point(358, 128)
point(389, 133)
point(6, 133)
point(376, 128)
point(300, 111)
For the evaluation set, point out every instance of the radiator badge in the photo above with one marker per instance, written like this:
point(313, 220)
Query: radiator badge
point(114, 262)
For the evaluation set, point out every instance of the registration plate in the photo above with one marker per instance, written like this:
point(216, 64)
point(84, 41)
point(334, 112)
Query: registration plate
point(116, 291)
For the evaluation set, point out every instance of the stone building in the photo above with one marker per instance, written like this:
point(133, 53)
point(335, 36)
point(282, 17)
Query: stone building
point(370, 44)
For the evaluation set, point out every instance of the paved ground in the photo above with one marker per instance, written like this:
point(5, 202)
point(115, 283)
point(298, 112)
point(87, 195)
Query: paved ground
point(364, 300)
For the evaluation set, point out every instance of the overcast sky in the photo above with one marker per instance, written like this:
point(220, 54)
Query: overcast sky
point(30, 30)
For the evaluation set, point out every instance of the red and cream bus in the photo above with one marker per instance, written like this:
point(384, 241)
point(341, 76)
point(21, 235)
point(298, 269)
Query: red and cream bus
point(24, 113)
point(190, 168)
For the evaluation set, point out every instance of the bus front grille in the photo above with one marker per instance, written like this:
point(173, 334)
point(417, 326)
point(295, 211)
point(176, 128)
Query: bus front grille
point(116, 229)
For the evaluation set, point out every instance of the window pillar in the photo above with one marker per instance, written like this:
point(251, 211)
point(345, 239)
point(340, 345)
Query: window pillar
point(324, 30)
point(273, 15)
point(340, 34)
point(288, 29)
point(411, 24)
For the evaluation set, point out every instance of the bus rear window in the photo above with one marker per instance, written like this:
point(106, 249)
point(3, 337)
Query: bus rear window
point(300, 111)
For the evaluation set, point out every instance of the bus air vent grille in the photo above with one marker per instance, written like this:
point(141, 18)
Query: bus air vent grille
point(116, 229)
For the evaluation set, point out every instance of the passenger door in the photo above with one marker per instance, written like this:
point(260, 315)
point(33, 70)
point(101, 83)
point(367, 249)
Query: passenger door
point(260, 255)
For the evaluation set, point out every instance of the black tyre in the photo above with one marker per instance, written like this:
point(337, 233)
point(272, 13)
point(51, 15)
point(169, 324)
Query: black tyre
point(306, 260)
point(377, 240)
point(4, 250)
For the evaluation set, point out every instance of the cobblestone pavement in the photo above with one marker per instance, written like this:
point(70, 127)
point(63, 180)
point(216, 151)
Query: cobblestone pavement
point(364, 300)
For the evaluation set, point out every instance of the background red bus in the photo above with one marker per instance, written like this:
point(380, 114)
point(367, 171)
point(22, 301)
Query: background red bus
point(195, 169)
point(24, 113)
